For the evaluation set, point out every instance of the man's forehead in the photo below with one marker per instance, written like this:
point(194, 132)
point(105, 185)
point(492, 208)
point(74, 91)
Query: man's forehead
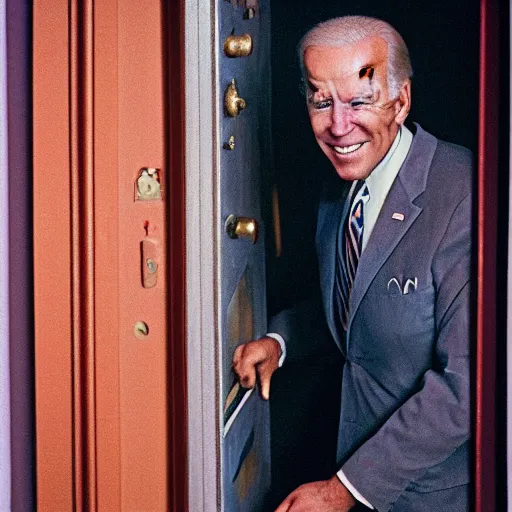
point(325, 63)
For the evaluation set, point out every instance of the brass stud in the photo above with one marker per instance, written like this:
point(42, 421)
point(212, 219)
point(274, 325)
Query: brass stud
point(238, 46)
point(230, 144)
point(233, 103)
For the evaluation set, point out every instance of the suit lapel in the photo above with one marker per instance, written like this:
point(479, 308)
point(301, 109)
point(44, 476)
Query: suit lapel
point(387, 232)
point(329, 217)
point(386, 235)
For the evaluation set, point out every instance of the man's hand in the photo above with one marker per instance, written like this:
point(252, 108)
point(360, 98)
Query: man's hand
point(326, 496)
point(257, 359)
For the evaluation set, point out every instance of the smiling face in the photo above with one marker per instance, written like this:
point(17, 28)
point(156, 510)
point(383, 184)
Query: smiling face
point(353, 118)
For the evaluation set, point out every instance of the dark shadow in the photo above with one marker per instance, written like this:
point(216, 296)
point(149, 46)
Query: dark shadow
point(443, 40)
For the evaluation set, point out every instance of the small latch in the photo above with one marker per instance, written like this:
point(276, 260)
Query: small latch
point(148, 185)
point(149, 263)
point(242, 227)
point(233, 103)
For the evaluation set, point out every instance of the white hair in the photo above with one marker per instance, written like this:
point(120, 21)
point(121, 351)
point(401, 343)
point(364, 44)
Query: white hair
point(338, 32)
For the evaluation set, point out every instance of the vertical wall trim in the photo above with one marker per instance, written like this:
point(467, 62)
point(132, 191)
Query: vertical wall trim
point(5, 418)
point(21, 324)
point(82, 215)
point(106, 288)
point(509, 291)
point(174, 36)
point(485, 408)
point(53, 351)
point(201, 221)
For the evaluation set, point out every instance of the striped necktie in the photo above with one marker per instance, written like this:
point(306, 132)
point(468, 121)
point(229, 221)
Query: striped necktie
point(350, 243)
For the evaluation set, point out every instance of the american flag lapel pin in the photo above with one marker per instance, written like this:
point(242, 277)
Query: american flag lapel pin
point(398, 216)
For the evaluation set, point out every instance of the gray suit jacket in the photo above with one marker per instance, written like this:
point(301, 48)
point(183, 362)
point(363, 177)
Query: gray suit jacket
point(405, 407)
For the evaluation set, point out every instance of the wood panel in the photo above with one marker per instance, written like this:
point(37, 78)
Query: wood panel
point(108, 411)
point(52, 259)
point(143, 364)
point(103, 75)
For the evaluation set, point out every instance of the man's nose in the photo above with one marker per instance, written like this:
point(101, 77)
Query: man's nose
point(341, 121)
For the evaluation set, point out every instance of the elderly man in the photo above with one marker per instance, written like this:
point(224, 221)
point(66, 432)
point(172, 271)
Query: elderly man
point(394, 250)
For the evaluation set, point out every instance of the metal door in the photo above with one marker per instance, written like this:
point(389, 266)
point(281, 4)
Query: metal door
point(243, 72)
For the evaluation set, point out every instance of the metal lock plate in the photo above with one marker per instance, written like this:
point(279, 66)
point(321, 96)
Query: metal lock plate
point(149, 263)
point(148, 185)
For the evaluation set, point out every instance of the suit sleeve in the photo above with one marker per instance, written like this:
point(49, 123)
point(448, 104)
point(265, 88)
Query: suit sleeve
point(304, 330)
point(432, 423)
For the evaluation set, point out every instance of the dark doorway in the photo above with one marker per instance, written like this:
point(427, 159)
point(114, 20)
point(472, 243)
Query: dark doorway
point(443, 41)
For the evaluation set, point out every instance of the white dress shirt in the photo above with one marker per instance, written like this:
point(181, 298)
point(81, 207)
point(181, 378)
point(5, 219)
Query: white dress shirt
point(379, 184)
point(382, 177)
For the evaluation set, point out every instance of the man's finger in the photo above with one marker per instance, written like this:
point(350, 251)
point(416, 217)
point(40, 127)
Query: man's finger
point(238, 354)
point(247, 377)
point(246, 373)
point(250, 361)
point(265, 372)
point(285, 505)
point(252, 355)
point(265, 388)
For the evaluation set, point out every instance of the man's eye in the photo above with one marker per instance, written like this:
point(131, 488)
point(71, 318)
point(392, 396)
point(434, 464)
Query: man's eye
point(357, 103)
point(321, 104)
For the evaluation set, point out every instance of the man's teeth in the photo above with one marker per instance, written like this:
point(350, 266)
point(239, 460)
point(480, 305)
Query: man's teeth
point(343, 150)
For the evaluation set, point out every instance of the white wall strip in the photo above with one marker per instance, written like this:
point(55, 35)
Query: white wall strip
point(509, 314)
point(203, 438)
point(5, 422)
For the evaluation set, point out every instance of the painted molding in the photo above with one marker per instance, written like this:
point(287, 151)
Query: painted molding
point(5, 416)
point(202, 266)
point(82, 252)
point(486, 324)
point(509, 292)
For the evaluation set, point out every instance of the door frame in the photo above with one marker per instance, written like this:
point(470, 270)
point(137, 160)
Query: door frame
point(192, 70)
point(77, 75)
point(202, 241)
point(202, 250)
point(491, 150)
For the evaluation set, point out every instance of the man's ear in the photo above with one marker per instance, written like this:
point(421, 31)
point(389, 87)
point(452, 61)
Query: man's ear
point(403, 104)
